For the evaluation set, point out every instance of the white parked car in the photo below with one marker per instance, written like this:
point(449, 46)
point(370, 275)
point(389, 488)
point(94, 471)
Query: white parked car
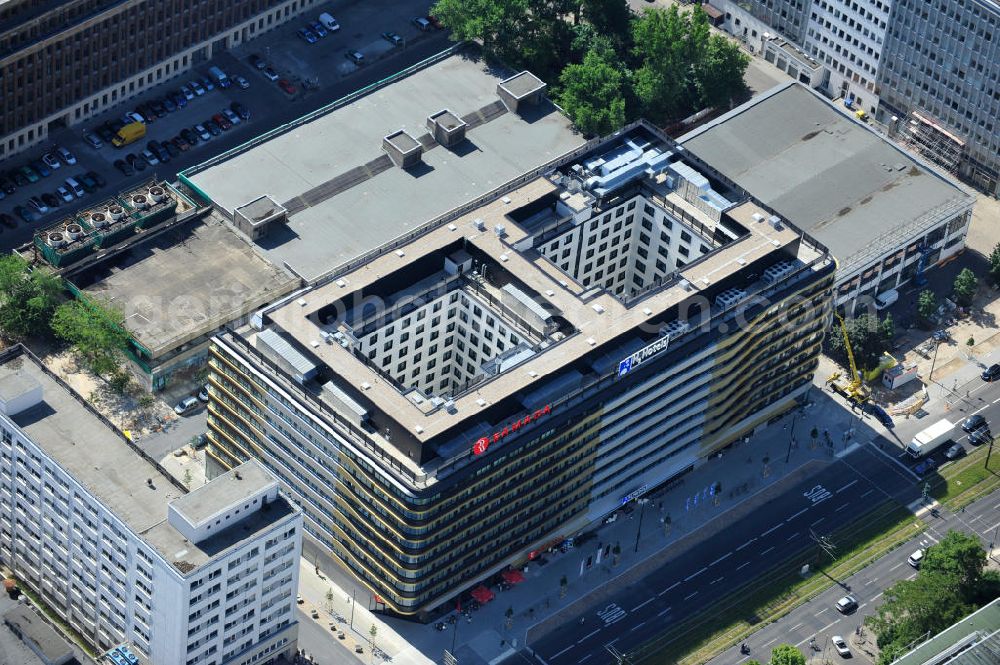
point(150, 157)
point(185, 405)
point(841, 646)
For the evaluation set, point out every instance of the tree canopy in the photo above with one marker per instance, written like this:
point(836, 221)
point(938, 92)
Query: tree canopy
point(95, 330)
point(994, 261)
point(667, 64)
point(965, 287)
point(786, 654)
point(869, 338)
point(27, 299)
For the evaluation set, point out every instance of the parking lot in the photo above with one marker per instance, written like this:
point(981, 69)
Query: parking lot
point(305, 76)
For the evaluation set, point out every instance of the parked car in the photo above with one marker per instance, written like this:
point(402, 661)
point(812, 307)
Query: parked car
point(392, 38)
point(355, 56)
point(189, 136)
point(65, 155)
point(242, 82)
point(134, 116)
point(203, 393)
point(212, 127)
point(973, 422)
point(197, 87)
point(221, 121)
point(8, 221)
point(98, 180)
point(186, 405)
point(95, 142)
point(318, 28)
point(925, 467)
point(41, 169)
point(50, 200)
point(915, 558)
point(257, 62)
point(181, 144)
point(207, 83)
point(19, 179)
point(172, 150)
point(436, 23)
point(64, 194)
point(87, 182)
point(179, 99)
point(991, 373)
point(29, 173)
point(169, 105)
point(241, 110)
point(954, 452)
point(52, 161)
point(122, 166)
point(270, 74)
point(307, 35)
point(841, 646)
point(202, 132)
point(232, 117)
point(187, 91)
point(37, 205)
point(847, 604)
point(135, 161)
point(159, 107)
point(150, 158)
point(287, 87)
point(26, 216)
point(422, 23)
point(7, 185)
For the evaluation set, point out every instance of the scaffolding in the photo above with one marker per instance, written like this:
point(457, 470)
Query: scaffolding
point(924, 134)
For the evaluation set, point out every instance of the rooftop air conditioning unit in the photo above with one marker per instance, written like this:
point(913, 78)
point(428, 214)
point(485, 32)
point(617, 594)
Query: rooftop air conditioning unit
point(73, 231)
point(116, 212)
point(99, 220)
point(156, 193)
point(56, 239)
point(140, 201)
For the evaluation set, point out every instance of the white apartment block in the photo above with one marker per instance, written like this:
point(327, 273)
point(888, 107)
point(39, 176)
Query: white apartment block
point(122, 552)
point(847, 35)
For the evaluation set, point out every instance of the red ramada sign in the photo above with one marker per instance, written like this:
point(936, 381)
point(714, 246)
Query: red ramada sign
point(483, 444)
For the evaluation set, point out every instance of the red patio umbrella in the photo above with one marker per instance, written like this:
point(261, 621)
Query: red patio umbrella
point(514, 576)
point(482, 594)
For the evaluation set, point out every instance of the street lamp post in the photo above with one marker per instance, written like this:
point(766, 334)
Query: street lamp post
point(791, 438)
point(638, 531)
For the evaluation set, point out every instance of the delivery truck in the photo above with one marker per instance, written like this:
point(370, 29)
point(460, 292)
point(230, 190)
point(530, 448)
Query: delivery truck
point(928, 440)
point(219, 77)
point(129, 134)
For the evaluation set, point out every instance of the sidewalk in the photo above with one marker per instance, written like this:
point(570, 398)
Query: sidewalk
point(744, 470)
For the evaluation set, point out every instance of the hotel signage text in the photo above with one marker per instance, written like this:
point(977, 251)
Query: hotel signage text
point(483, 443)
point(643, 354)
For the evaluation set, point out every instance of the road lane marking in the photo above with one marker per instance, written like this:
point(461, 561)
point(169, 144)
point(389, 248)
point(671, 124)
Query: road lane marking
point(871, 581)
point(910, 577)
point(659, 614)
point(642, 604)
point(563, 651)
point(586, 657)
point(745, 544)
point(824, 628)
point(638, 626)
point(769, 643)
point(721, 558)
point(842, 507)
point(743, 565)
point(825, 609)
point(794, 535)
point(675, 584)
point(766, 551)
point(589, 635)
point(817, 521)
point(773, 528)
point(716, 580)
point(877, 597)
point(867, 493)
point(789, 519)
point(896, 566)
point(694, 575)
point(690, 596)
point(846, 486)
point(798, 625)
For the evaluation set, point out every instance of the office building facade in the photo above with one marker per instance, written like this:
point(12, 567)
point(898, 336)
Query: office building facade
point(519, 371)
point(122, 553)
point(62, 63)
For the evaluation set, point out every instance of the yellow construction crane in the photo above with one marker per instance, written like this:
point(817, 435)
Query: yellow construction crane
point(855, 390)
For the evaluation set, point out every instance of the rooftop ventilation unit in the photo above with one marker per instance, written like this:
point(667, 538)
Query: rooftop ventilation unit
point(116, 212)
point(404, 150)
point(757, 217)
point(521, 90)
point(73, 231)
point(99, 220)
point(140, 202)
point(57, 239)
point(729, 297)
point(446, 128)
point(479, 224)
point(156, 193)
point(775, 221)
point(675, 328)
point(500, 230)
point(777, 271)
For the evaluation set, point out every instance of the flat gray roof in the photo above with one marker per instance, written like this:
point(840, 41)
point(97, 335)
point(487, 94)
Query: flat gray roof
point(32, 627)
point(187, 282)
point(99, 458)
point(343, 196)
point(831, 176)
point(232, 487)
point(976, 638)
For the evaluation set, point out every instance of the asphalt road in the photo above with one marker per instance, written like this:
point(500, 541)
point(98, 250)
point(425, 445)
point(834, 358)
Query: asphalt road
point(776, 531)
point(819, 620)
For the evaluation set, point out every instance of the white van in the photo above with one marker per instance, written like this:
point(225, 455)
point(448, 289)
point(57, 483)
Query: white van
point(886, 299)
point(75, 187)
point(329, 22)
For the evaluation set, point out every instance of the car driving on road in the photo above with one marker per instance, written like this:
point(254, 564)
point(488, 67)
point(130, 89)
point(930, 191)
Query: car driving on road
point(847, 604)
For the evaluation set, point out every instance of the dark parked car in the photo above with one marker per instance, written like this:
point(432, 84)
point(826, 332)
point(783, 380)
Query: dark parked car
point(189, 136)
point(181, 144)
point(980, 436)
point(240, 110)
point(257, 62)
point(954, 452)
point(135, 161)
point(104, 131)
point(221, 121)
point(98, 180)
point(24, 214)
point(973, 422)
point(991, 373)
point(50, 200)
point(19, 179)
point(171, 149)
point(213, 128)
point(169, 105)
point(925, 467)
point(122, 166)
point(7, 221)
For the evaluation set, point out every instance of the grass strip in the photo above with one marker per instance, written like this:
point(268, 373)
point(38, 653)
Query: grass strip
point(968, 479)
point(53, 617)
point(768, 597)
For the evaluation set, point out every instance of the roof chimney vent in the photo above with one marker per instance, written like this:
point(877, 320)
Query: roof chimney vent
point(403, 149)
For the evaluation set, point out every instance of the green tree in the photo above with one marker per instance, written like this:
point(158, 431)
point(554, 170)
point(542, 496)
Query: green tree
point(995, 264)
point(96, 332)
point(494, 22)
point(661, 38)
point(926, 305)
point(965, 287)
point(869, 338)
point(611, 18)
point(959, 557)
point(911, 608)
point(890, 653)
point(27, 299)
point(592, 94)
point(786, 654)
point(719, 73)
